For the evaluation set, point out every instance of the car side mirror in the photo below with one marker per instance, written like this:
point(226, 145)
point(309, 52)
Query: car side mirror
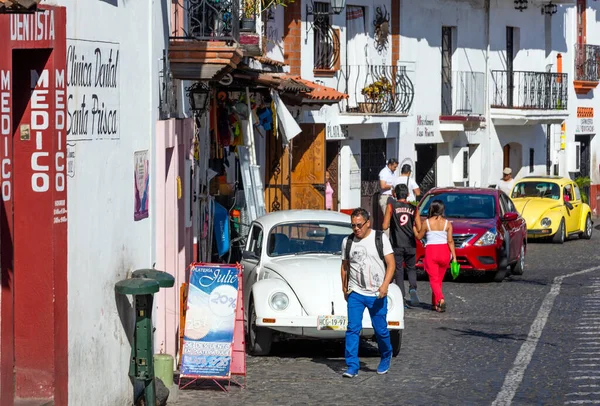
point(569, 205)
point(249, 255)
point(512, 216)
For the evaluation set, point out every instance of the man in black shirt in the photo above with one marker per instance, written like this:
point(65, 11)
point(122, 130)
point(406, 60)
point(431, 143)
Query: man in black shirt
point(403, 220)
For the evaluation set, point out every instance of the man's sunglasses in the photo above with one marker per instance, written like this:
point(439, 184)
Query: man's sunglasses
point(359, 226)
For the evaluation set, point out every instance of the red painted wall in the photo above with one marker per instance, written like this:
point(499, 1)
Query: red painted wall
point(33, 216)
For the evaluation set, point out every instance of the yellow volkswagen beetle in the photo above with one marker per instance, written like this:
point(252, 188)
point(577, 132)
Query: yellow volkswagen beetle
point(552, 208)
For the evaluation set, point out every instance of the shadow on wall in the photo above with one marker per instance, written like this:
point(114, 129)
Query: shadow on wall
point(114, 3)
point(127, 318)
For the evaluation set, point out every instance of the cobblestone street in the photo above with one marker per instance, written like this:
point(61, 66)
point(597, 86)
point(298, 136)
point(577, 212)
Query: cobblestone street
point(460, 357)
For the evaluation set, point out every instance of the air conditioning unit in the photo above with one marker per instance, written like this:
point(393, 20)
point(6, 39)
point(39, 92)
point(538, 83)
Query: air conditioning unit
point(573, 156)
point(460, 165)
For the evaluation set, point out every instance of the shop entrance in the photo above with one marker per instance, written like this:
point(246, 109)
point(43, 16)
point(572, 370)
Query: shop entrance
point(425, 171)
point(372, 161)
point(332, 165)
point(584, 159)
point(33, 215)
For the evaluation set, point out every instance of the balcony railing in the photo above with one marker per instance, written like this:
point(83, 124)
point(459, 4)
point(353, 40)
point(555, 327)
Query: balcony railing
point(206, 20)
point(529, 90)
point(376, 89)
point(587, 62)
point(465, 96)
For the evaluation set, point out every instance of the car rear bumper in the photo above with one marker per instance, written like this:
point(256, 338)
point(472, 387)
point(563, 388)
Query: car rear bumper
point(472, 258)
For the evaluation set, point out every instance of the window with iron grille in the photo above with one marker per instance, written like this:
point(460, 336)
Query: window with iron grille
point(465, 164)
point(325, 52)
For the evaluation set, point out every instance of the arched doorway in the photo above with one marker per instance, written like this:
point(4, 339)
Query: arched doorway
point(513, 157)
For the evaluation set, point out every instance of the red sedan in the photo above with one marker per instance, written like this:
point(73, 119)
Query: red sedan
point(489, 233)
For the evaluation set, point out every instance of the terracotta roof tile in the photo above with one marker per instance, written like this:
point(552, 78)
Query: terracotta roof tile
point(317, 91)
point(267, 60)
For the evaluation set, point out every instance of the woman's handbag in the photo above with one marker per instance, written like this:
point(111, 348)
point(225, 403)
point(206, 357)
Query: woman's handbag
point(454, 268)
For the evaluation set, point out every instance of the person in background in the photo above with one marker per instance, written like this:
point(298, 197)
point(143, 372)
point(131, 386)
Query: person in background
point(439, 250)
point(365, 281)
point(387, 177)
point(328, 192)
point(414, 192)
point(507, 182)
point(403, 218)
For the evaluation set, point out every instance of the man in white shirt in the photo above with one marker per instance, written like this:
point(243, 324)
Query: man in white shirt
point(507, 182)
point(413, 189)
point(387, 177)
point(366, 276)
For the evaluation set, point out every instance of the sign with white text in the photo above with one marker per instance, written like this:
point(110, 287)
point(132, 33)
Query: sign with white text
point(210, 321)
point(92, 90)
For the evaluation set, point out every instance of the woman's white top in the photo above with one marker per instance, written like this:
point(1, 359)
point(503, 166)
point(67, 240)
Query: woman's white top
point(436, 237)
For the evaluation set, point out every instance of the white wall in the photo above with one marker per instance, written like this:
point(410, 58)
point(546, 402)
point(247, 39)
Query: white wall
point(105, 243)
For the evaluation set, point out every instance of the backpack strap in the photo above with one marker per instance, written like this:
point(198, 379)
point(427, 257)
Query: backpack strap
point(349, 242)
point(379, 244)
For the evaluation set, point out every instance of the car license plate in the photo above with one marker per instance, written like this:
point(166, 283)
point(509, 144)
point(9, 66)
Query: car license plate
point(329, 322)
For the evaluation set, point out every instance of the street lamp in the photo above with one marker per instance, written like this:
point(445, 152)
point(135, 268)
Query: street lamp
point(549, 9)
point(520, 5)
point(198, 94)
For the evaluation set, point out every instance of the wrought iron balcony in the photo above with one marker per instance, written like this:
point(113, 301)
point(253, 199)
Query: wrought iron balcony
point(464, 95)
point(529, 90)
point(377, 89)
point(587, 62)
point(206, 20)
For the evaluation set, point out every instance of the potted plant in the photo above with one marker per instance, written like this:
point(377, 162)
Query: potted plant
point(374, 94)
point(252, 8)
point(583, 182)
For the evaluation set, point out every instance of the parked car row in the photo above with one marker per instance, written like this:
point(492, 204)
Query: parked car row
point(292, 284)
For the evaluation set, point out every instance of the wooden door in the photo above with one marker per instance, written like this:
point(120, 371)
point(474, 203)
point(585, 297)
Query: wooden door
point(277, 175)
point(307, 178)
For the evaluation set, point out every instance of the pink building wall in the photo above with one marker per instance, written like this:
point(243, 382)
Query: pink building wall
point(174, 240)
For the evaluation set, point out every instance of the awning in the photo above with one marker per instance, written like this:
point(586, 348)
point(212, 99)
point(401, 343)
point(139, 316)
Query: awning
point(18, 6)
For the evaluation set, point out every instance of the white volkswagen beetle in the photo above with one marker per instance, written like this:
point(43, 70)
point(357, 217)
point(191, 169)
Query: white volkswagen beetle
point(292, 280)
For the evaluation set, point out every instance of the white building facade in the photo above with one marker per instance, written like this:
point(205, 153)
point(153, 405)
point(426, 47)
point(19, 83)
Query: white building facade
point(492, 84)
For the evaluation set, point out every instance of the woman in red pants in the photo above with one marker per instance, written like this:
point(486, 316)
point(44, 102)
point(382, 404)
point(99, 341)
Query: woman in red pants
point(438, 251)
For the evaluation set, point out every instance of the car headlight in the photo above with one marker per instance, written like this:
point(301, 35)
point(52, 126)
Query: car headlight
point(489, 238)
point(390, 303)
point(279, 301)
point(546, 222)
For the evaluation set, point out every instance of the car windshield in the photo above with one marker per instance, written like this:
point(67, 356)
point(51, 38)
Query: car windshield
point(462, 205)
point(536, 189)
point(307, 238)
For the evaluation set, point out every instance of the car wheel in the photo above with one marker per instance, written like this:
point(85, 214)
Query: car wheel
point(396, 339)
point(559, 236)
point(259, 338)
point(587, 233)
point(519, 266)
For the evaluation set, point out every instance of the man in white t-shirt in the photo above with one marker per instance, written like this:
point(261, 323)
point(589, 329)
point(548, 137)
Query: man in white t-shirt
point(387, 176)
point(413, 189)
point(365, 281)
point(507, 183)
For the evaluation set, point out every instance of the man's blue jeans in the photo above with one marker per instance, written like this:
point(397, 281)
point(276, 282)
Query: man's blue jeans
point(378, 311)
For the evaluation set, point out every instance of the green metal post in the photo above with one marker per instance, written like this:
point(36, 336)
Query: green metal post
point(142, 286)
